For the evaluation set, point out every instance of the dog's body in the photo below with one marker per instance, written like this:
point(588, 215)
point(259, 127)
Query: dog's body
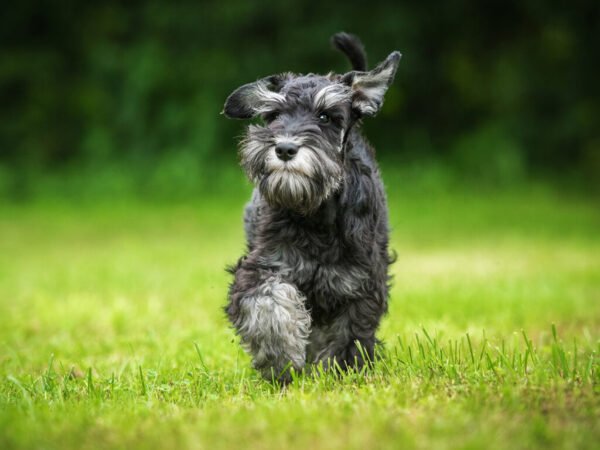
point(314, 282)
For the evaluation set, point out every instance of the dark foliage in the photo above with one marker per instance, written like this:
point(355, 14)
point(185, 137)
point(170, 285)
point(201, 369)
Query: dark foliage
point(505, 87)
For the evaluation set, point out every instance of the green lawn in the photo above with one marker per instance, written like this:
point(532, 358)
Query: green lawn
point(112, 333)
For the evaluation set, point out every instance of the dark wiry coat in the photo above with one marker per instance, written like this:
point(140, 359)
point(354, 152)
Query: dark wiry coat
point(313, 285)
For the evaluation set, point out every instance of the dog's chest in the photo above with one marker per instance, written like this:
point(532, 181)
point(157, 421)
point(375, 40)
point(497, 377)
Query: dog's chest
point(319, 264)
point(303, 253)
point(317, 256)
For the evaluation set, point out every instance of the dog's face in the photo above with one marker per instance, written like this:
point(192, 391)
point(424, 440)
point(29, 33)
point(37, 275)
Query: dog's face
point(296, 158)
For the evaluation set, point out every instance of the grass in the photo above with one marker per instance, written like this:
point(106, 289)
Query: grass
point(112, 333)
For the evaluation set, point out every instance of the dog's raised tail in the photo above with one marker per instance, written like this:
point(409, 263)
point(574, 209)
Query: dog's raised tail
point(351, 46)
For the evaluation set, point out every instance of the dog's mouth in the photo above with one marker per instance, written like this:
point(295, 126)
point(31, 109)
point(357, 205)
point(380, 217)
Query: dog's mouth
point(289, 169)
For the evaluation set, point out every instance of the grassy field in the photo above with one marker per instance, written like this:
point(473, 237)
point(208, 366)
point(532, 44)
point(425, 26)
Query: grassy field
point(112, 333)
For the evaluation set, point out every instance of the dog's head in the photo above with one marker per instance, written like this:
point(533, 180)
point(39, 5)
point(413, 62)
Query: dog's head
point(296, 156)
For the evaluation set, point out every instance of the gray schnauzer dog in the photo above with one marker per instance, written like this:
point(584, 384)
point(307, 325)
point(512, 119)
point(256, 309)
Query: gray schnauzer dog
point(313, 284)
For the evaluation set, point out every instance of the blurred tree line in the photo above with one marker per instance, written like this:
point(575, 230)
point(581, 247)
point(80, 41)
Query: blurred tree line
point(496, 89)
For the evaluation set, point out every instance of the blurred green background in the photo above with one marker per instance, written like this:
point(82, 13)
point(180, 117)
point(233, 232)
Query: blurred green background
point(121, 203)
point(123, 98)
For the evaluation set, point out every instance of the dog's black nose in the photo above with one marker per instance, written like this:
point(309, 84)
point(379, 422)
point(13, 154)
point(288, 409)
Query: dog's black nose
point(286, 151)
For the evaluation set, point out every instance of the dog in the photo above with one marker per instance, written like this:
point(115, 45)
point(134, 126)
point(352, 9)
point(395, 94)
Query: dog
point(313, 284)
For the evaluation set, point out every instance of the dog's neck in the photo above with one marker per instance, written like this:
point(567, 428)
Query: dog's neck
point(322, 218)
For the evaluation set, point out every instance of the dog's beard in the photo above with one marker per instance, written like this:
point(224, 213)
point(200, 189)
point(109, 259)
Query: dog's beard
point(301, 184)
point(291, 190)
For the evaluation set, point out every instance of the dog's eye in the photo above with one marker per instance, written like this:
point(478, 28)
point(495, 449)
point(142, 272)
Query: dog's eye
point(324, 118)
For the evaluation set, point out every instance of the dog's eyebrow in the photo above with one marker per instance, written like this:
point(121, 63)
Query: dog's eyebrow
point(267, 100)
point(330, 96)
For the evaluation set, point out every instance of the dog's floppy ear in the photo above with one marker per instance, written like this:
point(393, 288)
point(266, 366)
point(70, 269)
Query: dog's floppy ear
point(252, 98)
point(368, 88)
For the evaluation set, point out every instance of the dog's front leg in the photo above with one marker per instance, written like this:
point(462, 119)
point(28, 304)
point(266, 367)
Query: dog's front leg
point(270, 317)
point(349, 339)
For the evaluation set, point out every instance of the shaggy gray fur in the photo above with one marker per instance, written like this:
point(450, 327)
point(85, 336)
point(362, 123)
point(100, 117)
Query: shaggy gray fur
point(313, 284)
